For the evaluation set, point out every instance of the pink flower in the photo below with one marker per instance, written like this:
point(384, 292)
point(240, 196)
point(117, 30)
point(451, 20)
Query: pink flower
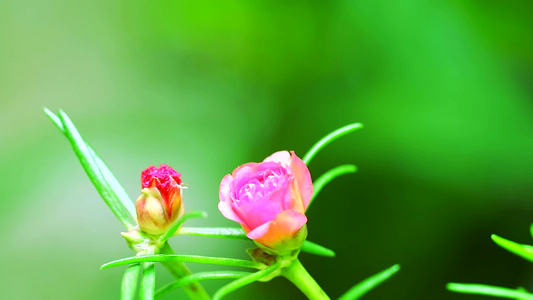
point(160, 203)
point(269, 200)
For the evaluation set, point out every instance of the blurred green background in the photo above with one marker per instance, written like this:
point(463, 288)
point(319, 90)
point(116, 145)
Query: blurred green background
point(444, 89)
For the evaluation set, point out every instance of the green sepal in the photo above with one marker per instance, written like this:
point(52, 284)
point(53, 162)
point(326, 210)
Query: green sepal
point(183, 258)
point(200, 276)
point(328, 139)
point(371, 282)
point(129, 282)
point(489, 290)
point(234, 285)
point(239, 234)
point(105, 182)
point(170, 232)
point(329, 176)
point(524, 251)
point(147, 290)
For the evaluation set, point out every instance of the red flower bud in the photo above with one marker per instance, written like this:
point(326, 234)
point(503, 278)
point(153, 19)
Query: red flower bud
point(160, 202)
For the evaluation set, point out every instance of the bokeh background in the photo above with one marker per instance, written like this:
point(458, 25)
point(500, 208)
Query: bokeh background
point(444, 89)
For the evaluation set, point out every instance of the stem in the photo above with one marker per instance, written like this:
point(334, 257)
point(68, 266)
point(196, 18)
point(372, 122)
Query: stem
point(179, 270)
point(298, 275)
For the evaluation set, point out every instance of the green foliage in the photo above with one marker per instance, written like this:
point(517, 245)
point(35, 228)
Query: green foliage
point(245, 281)
point(183, 258)
point(200, 276)
point(371, 282)
point(488, 290)
point(105, 182)
point(328, 139)
point(238, 233)
point(524, 251)
point(147, 290)
point(130, 281)
point(179, 222)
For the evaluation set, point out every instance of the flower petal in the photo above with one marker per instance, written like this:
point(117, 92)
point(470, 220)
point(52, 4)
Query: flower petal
point(227, 211)
point(303, 177)
point(280, 157)
point(283, 228)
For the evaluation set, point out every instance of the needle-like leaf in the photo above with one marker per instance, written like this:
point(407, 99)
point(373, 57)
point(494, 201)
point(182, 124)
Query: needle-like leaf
point(366, 285)
point(220, 232)
point(180, 221)
point(107, 185)
point(232, 286)
point(129, 282)
point(317, 249)
point(238, 233)
point(329, 176)
point(489, 290)
point(524, 251)
point(328, 139)
point(147, 290)
point(200, 276)
point(183, 258)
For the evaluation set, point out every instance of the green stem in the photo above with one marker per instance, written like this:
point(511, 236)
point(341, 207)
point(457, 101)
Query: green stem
point(179, 270)
point(298, 275)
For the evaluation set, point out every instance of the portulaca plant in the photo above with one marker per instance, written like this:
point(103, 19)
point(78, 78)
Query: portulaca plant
point(268, 199)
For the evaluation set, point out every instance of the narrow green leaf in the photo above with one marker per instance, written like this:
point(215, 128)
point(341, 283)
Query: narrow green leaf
point(489, 290)
point(316, 249)
point(147, 290)
point(329, 176)
point(524, 251)
point(221, 232)
point(328, 139)
point(232, 286)
point(531, 230)
point(183, 258)
point(92, 168)
point(129, 282)
point(239, 234)
point(106, 172)
point(199, 277)
point(180, 221)
point(371, 282)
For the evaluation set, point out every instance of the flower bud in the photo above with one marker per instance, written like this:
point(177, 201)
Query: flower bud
point(159, 205)
point(269, 200)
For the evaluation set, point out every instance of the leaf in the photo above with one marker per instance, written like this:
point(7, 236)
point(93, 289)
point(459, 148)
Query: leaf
point(221, 232)
point(106, 184)
point(183, 258)
point(371, 282)
point(328, 139)
point(316, 249)
point(179, 222)
point(489, 290)
point(147, 290)
point(238, 233)
point(524, 251)
point(329, 176)
point(232, 286)
point(129, 282)
point(199, 277)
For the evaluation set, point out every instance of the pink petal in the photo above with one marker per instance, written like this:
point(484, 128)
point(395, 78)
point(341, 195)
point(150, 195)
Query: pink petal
point(284, 227)
point(224, 193)
point(227, 211)
point(303, 177)
point(280, 157)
